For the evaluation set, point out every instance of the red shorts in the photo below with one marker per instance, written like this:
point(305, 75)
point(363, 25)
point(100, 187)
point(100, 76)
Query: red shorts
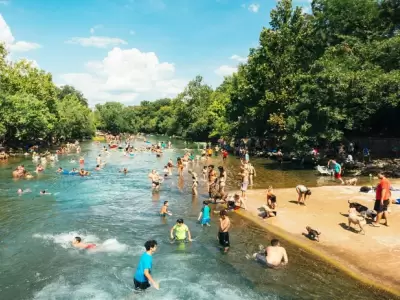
point(338, 176)
point(90, 246)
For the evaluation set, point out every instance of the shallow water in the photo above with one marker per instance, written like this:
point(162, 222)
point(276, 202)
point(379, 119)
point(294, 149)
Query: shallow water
point(119, 213)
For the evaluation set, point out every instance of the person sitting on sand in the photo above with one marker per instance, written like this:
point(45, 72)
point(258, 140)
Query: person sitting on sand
point(303, 192)
point(274, 256)
point(164, 210)
point(235, 202)
point(270, 207)
point(312, 234)
point(77, 243)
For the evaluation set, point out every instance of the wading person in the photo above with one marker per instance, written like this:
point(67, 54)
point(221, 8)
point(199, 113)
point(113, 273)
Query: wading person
point(212, 175)
point(274, 256)
point(182, 232)
point(223, 234)
point(252, 174)
point(143, 278)
point(382, 200)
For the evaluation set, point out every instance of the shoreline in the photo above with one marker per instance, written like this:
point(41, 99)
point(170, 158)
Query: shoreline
point(350, 254)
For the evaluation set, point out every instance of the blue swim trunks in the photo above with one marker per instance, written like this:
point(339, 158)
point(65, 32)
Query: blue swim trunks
point(205, 221)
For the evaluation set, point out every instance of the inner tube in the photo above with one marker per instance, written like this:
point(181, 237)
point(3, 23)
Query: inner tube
point(132, 154)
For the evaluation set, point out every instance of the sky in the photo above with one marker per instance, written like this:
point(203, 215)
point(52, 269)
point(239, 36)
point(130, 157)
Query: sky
point(134, 50)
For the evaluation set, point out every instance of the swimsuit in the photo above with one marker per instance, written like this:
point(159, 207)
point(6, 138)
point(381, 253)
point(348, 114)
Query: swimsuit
point(91, 246)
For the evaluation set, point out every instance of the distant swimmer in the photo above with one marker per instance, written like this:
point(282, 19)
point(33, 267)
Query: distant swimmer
point(274, 256)
point(21, 191)
point(83, 173)
point(204, 216)
point(182, 232)
point(124, 170)
point(97, 168)
point(98, 159)
point(44, 192)
point(81, 160)
point(77, 243)
point(164, 210)
point(142, 278)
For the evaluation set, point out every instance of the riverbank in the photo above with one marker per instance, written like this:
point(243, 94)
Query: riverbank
point(372, 258)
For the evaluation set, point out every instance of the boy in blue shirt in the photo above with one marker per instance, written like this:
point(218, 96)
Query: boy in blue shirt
point(205, 214)
point(142, 278)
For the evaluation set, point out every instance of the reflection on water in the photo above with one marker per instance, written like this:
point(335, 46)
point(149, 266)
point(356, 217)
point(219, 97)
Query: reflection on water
point(119, 213)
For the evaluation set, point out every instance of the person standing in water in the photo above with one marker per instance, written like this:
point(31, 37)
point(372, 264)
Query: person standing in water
point(142, 278)
point(204, 216)
point(223, 234)
point(274, 256)
point(180, 230)
point(252, 173)
point(164, 210)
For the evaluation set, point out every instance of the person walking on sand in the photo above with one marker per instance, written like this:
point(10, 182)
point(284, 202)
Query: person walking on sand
point(143, 278)
point(223, 233)
point(274, 256)
point(382, 200)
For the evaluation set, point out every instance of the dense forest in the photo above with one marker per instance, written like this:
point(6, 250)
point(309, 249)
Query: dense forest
point(314, 79)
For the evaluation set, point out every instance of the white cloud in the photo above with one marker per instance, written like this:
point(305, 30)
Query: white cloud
point(96, 41)
point(95, 27)
point(254, 7)
point(8, 39)
point(24, 46)
point(238, 58)
point(132, 32)
point(225, 70)
point(128, 76)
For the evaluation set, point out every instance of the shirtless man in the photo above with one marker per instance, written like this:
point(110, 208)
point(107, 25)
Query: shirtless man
point(77, 243)
point(155, 179)
point(223, 234)
point(274, 256)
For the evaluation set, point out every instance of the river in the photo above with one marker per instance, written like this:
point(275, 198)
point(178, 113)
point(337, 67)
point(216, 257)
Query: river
point(119, 213)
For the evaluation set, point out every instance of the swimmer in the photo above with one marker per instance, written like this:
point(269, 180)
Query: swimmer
point(77, 243)
point(204, 216)
point(72, 161)
point(180, 229)
point(274, 256)
point(98, 159)
point(164, 210)
point(83, 173)
point(73, 171)
point(20, 191)
point(97, 168)
point(204, 172)
point(44, 193)
point(59, 170)
point(124, 170)
point(81, 160)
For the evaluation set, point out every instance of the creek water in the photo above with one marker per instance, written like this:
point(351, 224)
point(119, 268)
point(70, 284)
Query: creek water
point(119, 213)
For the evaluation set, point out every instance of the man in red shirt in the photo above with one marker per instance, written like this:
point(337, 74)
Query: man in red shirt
point(382, 199)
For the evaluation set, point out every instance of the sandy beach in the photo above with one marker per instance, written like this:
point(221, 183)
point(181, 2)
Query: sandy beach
point(373, 258)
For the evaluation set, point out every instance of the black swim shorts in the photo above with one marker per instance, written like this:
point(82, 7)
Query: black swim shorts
point(141, 285)
point(381, 208)
point(156, 183)
point(224, 239)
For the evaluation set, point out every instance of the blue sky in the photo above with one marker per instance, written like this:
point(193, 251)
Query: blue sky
point(133, 50)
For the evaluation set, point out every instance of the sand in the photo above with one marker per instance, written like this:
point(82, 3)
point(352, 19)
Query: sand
point(373, 257)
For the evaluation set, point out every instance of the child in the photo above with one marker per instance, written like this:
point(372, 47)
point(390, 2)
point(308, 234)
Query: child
point(204, 216)
point(194, 185)
point(205, 172)
point(164, 210)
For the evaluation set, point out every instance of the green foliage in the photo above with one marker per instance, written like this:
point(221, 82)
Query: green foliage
point(32, 107)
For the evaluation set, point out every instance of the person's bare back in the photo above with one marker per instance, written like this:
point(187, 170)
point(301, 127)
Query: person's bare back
point(276, 255)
